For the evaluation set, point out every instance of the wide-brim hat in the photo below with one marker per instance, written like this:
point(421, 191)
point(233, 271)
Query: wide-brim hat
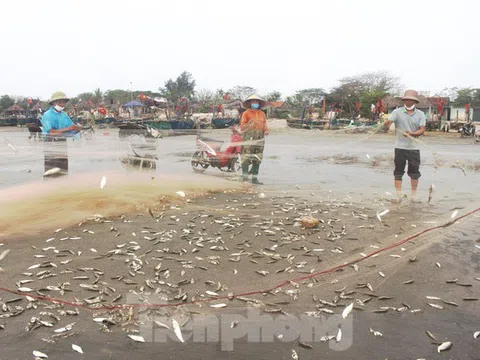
point(410, 95)
point(246, 103)
point(58, 95)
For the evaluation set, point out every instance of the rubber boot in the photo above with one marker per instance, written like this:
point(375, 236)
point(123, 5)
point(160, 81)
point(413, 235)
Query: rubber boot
point(245, 172)
point(255, 170)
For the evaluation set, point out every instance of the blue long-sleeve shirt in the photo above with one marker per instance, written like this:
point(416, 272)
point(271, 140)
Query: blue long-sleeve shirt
point(53, 119)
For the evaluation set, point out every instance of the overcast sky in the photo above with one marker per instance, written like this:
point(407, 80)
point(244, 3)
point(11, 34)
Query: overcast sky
point(76, 46)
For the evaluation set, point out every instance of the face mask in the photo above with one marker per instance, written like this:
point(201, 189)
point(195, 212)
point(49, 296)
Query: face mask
point(410, 108)
point(59, 108)
point(255, 106)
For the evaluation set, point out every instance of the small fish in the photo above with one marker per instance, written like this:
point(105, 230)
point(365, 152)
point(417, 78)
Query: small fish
point(77, 349)
point(348, 309)
point(413, 259)
point(262, 195)
point(103, 182)
point(476, 335)
point(433, 298)
point(65, 329)
point(217, 306)
point(24, 289)
point(304, 345)
point(53, 171)
point(430, 335)
point(453, 281)
point(381, 214)
point(39, 354)
point(180, 193)
point(177, 330)
point(408, 281)
point(436, 306)
point(339, 335)
point(438, 264)
point(381, 274)
point(454, 214)
point(376, 333)
point(262, 272)
point(444, 346)
point(137, 338)
point(161, 325)
point(294, 353)
point(450, 302)
point(4, 254)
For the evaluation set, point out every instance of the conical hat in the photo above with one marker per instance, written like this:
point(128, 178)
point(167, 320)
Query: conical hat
point(246, 103)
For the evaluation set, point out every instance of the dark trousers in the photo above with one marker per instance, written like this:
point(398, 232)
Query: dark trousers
point(402, 156)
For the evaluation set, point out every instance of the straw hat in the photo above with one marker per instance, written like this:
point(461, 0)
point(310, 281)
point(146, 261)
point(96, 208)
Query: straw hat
point(58, 95)
point(246, 103)
point(411, 95)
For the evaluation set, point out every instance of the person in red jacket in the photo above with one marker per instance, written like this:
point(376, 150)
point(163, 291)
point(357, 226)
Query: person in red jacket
point(254, 128)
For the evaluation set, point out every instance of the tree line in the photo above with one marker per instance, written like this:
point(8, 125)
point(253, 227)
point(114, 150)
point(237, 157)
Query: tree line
point(352, 91)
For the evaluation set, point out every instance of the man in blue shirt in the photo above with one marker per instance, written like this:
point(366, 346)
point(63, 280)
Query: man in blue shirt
point(409, 124)
point(57, 126)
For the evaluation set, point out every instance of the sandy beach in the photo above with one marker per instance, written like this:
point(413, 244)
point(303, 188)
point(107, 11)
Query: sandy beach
point(225, 243)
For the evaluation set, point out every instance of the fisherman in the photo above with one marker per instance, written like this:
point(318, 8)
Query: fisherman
point(409, 124)
point(57, 126)
point(254, 129)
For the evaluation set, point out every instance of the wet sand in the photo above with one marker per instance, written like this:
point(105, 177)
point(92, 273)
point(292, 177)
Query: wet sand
point(250, 219)
point(325, 174)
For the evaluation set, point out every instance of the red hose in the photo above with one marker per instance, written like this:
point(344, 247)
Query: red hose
point(254, 292)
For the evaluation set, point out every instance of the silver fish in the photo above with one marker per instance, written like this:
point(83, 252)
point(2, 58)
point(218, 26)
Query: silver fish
point(177, 330)
point(53, 171)
point(77, 349)
point(137, 338)
point(444, 346)
point(4, 254)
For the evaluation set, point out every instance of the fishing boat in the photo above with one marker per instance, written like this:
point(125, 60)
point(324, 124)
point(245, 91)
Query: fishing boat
point(8, 121)
point(306, 124)
point(222, 123)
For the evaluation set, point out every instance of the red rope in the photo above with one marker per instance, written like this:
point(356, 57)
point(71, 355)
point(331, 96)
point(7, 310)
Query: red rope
point(254, 292)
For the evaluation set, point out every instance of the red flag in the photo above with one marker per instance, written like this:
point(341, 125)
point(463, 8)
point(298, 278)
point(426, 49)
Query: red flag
point(467, 108)
point(380, 105)
point(440, 106)
point(358, 106)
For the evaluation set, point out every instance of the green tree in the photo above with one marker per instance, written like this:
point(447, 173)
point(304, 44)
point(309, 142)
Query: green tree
point(467, 96)
point(183, 86)
point(241, 92)
point(274, 96)
point(97, 95)
point(5, 102)
point(310, 97)
point(367, 98)
point(204, 96)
